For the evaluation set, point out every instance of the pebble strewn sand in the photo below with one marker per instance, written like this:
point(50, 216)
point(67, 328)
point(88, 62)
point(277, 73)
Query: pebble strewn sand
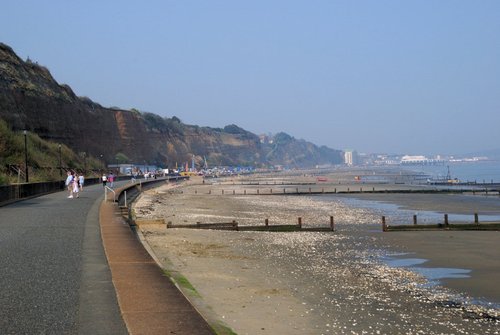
point(304, 282)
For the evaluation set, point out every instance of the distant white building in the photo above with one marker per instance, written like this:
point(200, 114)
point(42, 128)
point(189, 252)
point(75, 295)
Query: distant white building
point(350, 157)
point(420, 160)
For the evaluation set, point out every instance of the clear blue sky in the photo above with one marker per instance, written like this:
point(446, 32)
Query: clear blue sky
point(412, 77)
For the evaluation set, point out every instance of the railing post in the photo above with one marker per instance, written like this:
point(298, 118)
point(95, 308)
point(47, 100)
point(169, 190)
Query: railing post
point(125, 194)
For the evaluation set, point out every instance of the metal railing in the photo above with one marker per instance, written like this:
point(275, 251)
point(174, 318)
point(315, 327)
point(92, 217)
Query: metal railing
point(106, 188)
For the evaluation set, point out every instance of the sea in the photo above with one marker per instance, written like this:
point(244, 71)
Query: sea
point(476, 171)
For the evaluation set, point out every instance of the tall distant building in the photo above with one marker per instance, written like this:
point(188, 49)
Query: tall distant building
point(350, 157)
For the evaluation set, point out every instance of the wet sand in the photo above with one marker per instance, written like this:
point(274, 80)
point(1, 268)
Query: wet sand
point(478, 251)
point(320, 283)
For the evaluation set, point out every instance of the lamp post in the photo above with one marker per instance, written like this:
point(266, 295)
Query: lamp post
point(102, 161)
point(84, 163)
point(25, 132)
point(60, 161)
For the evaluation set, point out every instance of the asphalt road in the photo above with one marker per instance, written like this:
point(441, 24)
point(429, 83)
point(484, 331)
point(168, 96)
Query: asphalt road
point(54, 277)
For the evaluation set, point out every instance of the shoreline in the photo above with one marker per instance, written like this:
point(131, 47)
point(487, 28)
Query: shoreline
point(245, 276)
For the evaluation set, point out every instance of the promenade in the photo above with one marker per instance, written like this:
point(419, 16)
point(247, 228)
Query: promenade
point(55, 277)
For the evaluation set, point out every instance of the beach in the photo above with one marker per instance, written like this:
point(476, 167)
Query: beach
point(321, 282)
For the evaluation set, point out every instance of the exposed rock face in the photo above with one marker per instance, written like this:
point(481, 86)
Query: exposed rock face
point(31, 99)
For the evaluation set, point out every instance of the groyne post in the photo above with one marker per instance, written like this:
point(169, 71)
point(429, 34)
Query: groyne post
point(415, 219)
point(384, 226)
point(476, 218)
point(446, 223)
point(332, 227)
point(266, 222)
point(299, 223)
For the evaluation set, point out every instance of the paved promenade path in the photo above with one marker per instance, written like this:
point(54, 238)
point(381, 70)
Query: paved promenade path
point(54, 277)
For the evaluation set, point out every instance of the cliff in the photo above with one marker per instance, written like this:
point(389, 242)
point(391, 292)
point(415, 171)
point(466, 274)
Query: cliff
point(31, 99)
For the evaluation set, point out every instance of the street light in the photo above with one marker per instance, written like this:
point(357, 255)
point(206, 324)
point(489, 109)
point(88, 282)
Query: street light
point(60, 161)
point(84, 163)
point(25, 132)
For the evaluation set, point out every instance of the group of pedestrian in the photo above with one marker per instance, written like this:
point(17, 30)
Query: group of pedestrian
point(108, 179)
point(74, 184)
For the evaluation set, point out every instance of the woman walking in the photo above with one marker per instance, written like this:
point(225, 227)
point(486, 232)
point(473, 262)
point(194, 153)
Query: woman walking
point(76, 187)
point(81, 180)
point(69, 183)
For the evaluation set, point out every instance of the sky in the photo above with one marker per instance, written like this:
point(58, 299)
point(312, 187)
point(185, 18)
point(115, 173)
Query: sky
point(379, 76)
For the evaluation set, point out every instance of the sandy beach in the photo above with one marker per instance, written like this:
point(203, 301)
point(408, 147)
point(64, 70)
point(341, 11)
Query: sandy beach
point(322, 282)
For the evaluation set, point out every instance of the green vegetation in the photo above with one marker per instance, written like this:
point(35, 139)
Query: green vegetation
point(182, 281)
point(222, 329)
point(156, 123)
point(121, 158)
point(43, 158)
point(217, 326)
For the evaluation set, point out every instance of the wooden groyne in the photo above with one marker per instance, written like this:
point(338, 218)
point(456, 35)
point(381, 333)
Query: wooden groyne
point(348, 190)
point(233, 225)
point(444, 225)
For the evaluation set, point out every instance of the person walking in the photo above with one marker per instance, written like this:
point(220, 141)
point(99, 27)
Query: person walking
point(69, 183)
point(111, 179)
point(81, 180)
point(76, 187)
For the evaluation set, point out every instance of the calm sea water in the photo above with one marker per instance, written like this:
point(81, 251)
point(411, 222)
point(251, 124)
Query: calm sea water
point(485, 171)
